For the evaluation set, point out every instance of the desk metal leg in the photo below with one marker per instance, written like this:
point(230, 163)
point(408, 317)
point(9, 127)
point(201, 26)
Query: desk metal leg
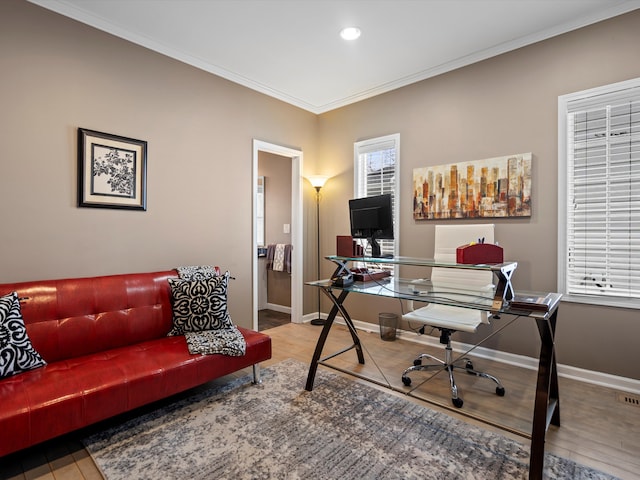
point(352, 328)
point(504, 288)
point(337, 307)
point(547, 404)
point(313, 367)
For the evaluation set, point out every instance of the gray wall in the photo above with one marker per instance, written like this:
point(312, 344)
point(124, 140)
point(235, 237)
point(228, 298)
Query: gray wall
point(58, 75)
point(497, 107)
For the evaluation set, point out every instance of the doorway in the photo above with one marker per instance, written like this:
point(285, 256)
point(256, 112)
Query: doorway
point(295, 227)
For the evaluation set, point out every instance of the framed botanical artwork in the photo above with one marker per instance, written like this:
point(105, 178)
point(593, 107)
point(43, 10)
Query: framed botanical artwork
point(494, 187)
point(112, 171)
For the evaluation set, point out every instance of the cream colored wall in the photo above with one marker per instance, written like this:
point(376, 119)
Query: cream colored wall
point(496, 107)
point(58, 75)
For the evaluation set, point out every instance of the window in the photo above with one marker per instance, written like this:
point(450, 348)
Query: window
point(376, 170)
point(599, 195)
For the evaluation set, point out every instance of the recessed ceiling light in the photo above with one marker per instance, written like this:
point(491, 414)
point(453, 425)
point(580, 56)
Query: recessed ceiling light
point(350, 33)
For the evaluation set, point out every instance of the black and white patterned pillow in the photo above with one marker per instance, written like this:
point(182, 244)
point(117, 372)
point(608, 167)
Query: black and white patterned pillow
point(200, 305)
point(16, 352)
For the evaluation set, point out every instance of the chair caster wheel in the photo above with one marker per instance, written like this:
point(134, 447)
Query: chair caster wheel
point(406, 381)
point(457, 402)
point(500, 391)
point(417, 362)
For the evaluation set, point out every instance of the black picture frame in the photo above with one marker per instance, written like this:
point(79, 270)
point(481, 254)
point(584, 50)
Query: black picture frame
point(112, 171)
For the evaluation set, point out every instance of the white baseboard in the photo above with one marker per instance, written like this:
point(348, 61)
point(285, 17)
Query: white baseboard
point(629, 385)
point(278, 308)
point(310, 316)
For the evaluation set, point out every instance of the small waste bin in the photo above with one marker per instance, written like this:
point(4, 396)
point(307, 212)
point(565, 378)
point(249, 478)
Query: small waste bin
point(388, 326)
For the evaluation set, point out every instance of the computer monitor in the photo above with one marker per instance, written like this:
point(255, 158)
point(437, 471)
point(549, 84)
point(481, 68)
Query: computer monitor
point(372, 218)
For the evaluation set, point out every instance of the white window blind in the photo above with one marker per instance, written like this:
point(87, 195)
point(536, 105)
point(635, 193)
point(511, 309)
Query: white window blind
point(600, 260)
point(376, 167)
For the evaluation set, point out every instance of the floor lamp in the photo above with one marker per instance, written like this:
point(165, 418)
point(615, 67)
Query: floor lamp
point(318, 182)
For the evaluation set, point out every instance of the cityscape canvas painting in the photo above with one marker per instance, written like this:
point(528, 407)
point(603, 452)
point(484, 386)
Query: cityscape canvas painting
point(495, 187)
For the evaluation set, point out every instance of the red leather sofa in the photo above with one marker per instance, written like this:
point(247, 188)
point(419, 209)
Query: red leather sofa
point(105, 343)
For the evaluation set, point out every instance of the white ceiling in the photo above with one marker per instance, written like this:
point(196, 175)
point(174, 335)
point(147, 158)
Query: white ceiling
point(291, 49)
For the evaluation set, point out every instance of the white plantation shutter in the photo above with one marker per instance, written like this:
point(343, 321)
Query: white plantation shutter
point(376, 167)
point(600, 258)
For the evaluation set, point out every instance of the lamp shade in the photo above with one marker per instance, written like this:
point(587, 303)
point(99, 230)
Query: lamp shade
point(318, 181)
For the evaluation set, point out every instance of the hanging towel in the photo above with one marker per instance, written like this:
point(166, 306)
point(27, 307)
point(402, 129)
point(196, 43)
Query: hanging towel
point(286, 257)
point(278, 258)
point(271, 249)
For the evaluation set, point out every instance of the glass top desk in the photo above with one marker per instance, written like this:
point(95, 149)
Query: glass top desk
point(499, 300)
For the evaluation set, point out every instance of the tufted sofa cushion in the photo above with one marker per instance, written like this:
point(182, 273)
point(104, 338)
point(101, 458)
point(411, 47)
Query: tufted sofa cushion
point(74, 317)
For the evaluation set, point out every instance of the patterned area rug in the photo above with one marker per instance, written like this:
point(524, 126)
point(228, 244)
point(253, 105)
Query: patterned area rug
point(341, 430)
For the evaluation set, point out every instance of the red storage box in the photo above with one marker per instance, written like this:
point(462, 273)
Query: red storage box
point(475, 253)
point(345, 246)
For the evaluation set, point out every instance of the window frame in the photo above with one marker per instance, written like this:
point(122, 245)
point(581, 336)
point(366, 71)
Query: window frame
point(590, 99)
point(369, 146)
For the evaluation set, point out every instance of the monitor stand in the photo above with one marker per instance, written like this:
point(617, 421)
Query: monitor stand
point(375, 249)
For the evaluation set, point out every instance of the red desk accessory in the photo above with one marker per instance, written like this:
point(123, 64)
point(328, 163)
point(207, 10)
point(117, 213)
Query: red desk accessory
point(366, 275)
point(346, 246)
point(476, 253)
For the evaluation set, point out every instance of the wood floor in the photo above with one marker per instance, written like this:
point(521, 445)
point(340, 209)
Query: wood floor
point(270, 318)
point(597, 429)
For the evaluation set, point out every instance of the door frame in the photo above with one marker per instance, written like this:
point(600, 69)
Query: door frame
point(297, 252)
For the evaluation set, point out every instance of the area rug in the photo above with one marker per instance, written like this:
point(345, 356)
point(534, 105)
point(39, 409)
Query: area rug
point(343, 429)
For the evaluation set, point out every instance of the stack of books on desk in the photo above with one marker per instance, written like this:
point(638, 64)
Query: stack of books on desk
point(531, 302)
